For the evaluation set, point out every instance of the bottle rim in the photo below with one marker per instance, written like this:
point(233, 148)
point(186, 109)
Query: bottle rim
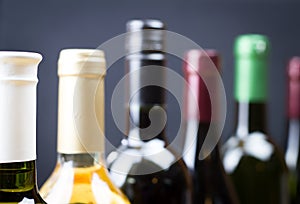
point(22, 55)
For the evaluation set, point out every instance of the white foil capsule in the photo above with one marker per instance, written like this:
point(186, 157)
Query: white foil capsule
point(18, 81)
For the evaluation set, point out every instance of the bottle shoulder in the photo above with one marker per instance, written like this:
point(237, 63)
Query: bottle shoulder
point(255, 147)
point(30, 196)
point(152, 158)
point(18, 183)
point(92, 184)
point(153, 153)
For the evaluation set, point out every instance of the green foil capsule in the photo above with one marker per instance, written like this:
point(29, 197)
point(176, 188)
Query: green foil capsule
point(251, 52)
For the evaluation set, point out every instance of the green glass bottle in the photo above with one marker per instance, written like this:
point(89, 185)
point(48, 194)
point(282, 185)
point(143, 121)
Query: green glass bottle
point(250, 157)
point(18, 81)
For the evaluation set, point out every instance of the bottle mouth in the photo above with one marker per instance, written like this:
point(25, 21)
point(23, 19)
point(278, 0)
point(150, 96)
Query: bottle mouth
point(251, 45)
point(21, 57)
point(19, 66)
point(138, 25)
point(197, 61)
point(294, 69)
point(85, 62)
point(85, 54)
point(145, 36)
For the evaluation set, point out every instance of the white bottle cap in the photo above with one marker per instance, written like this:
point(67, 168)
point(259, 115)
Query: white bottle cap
point(18, 81)
point(81, 101)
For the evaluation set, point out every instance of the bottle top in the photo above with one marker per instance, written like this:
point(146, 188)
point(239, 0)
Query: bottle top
point(84, 62)
point(199, 65)
point(81, 101)
point(201, 61)
point(19, 65)
point(138, 25)
point(18, 81)
point(251, 52)
point(145, 36)
point(293, 71)
point(20, 57)
point(251, 46)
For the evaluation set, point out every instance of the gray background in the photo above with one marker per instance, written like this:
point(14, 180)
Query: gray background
point(47, 27)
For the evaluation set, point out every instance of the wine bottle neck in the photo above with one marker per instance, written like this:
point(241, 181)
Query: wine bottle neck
point(203, 128)
point(251, 117)
point(80, 114)
point(147, 122)
point(292, 143)
point(293, 99)
point(81, 160)
point(81, 101)
point(18, 85)
point(18, 176)
point(146, 96)
point(292, 146)
point(194, 107)
point(195, 135)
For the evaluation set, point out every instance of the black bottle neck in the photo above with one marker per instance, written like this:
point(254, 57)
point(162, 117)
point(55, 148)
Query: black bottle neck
point(146, 97)
point(250, 117)
point(214, 156)
point(195, 134)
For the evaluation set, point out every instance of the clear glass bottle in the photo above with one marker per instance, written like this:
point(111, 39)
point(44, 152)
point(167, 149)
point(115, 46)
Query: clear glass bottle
point(254, 162)
point(144, 166)
point(80, 175)
point(18, 81)
point(210, 182)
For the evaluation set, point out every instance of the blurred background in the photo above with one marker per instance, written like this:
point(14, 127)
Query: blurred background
point(49, 26)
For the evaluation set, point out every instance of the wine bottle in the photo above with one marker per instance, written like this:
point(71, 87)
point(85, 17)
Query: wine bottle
point(254, 162)
point(211, 184)
point(293, 126)
point(18, 81)
point(144, 166)
point(80, 175)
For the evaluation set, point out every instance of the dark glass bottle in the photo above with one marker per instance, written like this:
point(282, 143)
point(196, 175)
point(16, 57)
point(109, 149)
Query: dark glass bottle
point(293, 126)
point(211, 184)
point(144, 167)
point(18, 81)
point(250, 157)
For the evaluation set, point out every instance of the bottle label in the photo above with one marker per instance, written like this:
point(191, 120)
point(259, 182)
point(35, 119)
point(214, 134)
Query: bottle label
point(251, 80)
